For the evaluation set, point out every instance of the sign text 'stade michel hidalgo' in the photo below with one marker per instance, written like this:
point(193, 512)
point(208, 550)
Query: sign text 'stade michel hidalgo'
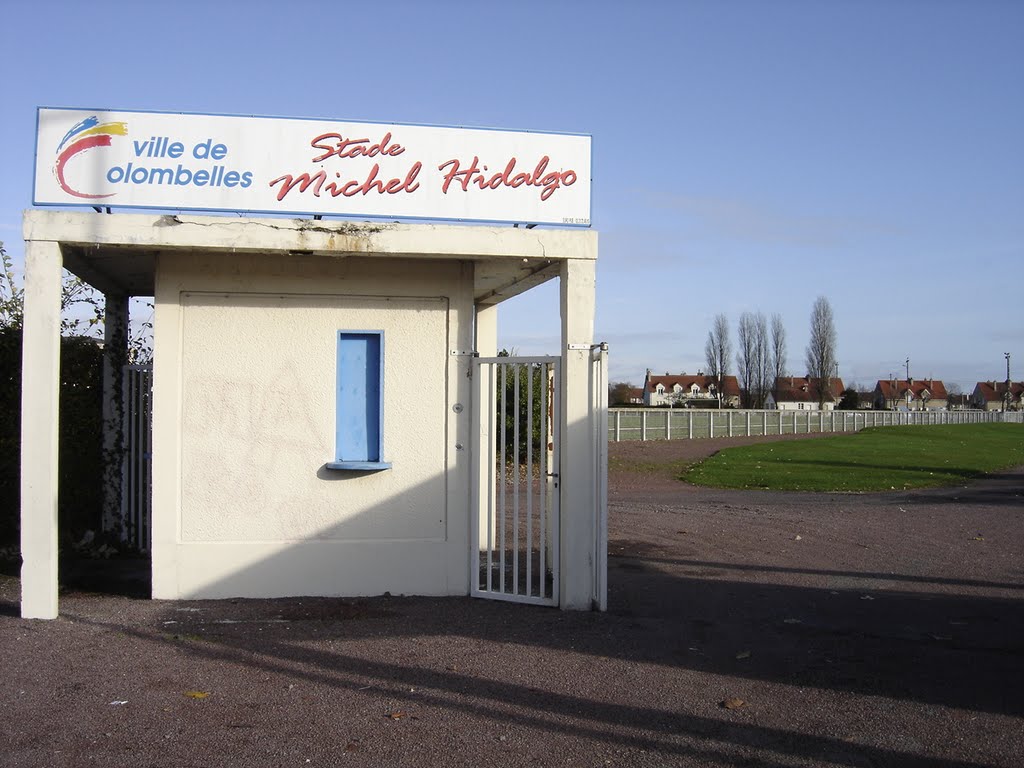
point(306, 166)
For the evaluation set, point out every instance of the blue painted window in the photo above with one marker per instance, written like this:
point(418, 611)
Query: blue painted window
point(359, 416)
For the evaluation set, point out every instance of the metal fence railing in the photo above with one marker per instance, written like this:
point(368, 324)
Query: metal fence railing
point(137, 466)
point(516, 450)
point(690, 424)
point(599, 407)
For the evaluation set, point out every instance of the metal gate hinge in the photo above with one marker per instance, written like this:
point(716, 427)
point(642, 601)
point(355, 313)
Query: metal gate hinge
point(464, 353)
point(580, 347)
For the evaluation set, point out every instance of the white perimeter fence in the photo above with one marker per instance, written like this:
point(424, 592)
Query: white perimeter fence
point(686, 424)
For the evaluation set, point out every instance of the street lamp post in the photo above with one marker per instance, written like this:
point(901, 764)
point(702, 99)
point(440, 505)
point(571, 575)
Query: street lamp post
point(909, 388)
point(1006, 394)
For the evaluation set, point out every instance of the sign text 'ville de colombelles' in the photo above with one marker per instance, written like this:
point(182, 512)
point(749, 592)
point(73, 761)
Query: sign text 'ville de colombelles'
point(305, 166)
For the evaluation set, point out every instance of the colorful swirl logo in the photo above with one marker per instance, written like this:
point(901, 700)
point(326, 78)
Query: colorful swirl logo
point(86, 135)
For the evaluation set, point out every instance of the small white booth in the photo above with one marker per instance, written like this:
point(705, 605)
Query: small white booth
point(329, 416)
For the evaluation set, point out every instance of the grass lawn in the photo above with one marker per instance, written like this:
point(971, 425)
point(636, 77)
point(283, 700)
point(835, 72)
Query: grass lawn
point(876, 459)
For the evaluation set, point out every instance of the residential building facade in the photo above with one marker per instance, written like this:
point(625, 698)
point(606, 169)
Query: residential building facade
point(796, 393)
point(910, 395)
point(991, 395)
point(690, 391)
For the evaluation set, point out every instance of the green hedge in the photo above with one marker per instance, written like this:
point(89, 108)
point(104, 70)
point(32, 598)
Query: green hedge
point(80, 502)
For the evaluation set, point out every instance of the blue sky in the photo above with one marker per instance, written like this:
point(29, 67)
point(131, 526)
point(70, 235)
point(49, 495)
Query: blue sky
point(748, 156)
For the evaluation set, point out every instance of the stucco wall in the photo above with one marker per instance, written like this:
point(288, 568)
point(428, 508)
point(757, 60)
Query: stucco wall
point(243, 503)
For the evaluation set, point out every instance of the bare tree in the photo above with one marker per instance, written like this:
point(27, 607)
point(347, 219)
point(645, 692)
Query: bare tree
point(619, 393)
point(717, 351)
point(745, 357)
point(753, 358)
point(821, 350)
point(12, 298)
point(764, 381)
point(778, 350)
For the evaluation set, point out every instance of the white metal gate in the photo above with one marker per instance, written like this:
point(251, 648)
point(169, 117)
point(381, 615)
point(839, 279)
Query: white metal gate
point(514, 532)
point(599, 408)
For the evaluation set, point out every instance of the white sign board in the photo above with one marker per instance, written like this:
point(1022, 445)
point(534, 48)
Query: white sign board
point(306, 166)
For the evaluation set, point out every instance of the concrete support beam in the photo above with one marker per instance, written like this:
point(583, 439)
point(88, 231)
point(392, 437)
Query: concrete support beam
point(459, 412)
point(115, 354)
point(166, 420)
point(579, 460)
point(486, 330)
point(231, 235)
point(40, 398)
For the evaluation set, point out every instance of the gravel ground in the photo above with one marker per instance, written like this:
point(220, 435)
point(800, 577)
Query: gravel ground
point(744, 628)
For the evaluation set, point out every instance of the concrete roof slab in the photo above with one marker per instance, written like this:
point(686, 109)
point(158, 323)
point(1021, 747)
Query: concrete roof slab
point(117, 252)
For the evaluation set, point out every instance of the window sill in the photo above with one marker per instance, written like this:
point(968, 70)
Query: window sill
point(359, 466)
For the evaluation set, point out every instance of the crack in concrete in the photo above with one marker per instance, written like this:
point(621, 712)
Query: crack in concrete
point(343, 228)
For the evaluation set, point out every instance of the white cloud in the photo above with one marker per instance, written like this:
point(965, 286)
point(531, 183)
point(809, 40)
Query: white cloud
point(654, 249)
point(766, 225)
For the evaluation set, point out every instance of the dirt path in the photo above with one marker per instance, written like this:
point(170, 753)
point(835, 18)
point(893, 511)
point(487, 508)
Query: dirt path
point(857, 630)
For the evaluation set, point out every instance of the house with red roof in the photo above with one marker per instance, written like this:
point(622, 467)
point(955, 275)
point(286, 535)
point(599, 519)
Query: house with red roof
point(910, 395)
point(803, 393)
point(690, 391)
point(991, 395)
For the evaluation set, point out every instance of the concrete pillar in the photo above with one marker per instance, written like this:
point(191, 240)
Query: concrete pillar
point(115, 354)
point(40, 398)
point(579, 460)
point(167, 365)
point(460, 410)
point(486, 331)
